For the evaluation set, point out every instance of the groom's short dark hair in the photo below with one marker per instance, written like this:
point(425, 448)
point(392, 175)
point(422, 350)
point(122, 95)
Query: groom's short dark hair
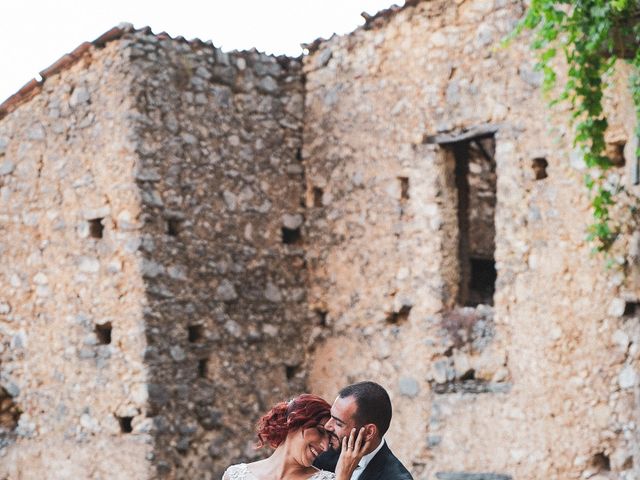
point(373, 404)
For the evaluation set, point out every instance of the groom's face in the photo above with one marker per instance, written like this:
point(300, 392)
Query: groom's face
point(343, 417)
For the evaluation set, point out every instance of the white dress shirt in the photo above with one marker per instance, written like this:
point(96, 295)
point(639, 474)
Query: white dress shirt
point(364, 461)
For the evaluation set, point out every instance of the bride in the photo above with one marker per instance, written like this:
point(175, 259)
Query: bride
point(295, 429)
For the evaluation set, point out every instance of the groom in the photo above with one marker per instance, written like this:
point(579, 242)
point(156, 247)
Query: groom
point(364, 404)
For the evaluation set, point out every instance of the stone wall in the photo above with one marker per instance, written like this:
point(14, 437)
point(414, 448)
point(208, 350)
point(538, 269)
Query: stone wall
point(222, 234)
point(152, 273)
point(71, 294)
point(188, 236)
point(541, 385)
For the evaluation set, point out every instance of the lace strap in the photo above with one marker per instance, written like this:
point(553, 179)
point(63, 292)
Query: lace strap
point(237, 472)
point(323, 475)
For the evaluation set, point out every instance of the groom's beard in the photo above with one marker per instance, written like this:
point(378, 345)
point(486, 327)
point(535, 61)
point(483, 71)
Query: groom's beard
point(335, 446)
point(338, 447)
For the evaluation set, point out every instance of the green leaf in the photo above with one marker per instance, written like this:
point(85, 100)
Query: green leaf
point(583, 31)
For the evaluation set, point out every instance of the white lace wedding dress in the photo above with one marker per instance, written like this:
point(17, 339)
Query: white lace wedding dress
point(242, 472)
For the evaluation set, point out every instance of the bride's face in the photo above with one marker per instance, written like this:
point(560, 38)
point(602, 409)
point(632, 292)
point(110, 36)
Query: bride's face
point(308, 443)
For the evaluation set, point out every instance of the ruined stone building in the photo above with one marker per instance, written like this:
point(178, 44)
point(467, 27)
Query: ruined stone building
point(188, 236)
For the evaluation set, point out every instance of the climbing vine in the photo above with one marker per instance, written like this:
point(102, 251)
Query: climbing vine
point(592, 35)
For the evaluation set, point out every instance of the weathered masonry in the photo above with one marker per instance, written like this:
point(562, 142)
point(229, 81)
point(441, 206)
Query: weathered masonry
point(189, 235)
point(150, 295)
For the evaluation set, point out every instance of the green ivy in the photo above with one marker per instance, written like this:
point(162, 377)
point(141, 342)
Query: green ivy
point(591, 35)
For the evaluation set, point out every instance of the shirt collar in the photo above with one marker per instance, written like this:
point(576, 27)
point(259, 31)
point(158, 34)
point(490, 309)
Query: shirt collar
point(364, 461)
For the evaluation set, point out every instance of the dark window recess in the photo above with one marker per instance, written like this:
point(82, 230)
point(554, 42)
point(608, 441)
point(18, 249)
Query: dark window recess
point(404, 188)
point(317, 196)
point(400, 316)
point(299, 154)
point(195, 333)
point(173, 226)
point(539, 166)
point(96, 228)
point(475, 181)
point(291, 236)
point(103, 332)
point(482, 282)
point(125, 424)
point(203, 367)
point(291, 371)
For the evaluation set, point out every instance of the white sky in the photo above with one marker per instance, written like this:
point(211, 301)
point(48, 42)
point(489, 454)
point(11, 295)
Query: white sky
point(34, 34)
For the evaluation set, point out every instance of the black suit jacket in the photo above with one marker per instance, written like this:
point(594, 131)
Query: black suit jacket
point(383, 466)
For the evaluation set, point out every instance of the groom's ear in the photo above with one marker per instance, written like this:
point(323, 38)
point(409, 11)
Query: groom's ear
point(371, 432)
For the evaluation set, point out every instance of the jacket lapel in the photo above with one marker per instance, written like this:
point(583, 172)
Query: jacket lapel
point(376, 465)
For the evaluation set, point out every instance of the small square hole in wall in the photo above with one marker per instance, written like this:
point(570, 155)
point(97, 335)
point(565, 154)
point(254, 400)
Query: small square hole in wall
point(291, 236)
point(203, 367)
point(539, 166)
point(600, 462)
point(103, 332)
point(615, 152)
point(96, 228)
point(195, 333)
point(125, 424)
point(321, 317)
point(631, 309)
point(291, 371)
point(404, 188)
point(9, 411)
point(173, 226)
point(401, 316)
point(317, 196)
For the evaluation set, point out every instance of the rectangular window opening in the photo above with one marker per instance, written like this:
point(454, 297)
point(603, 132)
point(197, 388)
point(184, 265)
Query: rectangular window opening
point(291, 371)
point(317, 197)
point(125, 424)
point(195, 333)
point(173, 226)
point(103, 332)
point(291, 236)
point(404, 188)
point(96, 228)
point(203, 368)
point(475, 182)
point(631, 309)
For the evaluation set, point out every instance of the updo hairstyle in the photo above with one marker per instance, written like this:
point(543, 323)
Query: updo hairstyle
point(304, 411)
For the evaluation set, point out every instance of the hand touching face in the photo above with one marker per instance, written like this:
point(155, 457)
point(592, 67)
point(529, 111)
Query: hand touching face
point(354, 447)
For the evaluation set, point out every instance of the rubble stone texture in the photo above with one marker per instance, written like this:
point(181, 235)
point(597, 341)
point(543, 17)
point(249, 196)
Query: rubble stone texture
point(149, 302)
point(543, 383)
point(188, 236)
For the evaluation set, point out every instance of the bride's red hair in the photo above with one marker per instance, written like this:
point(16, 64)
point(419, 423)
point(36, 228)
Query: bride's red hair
point(303, 411)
